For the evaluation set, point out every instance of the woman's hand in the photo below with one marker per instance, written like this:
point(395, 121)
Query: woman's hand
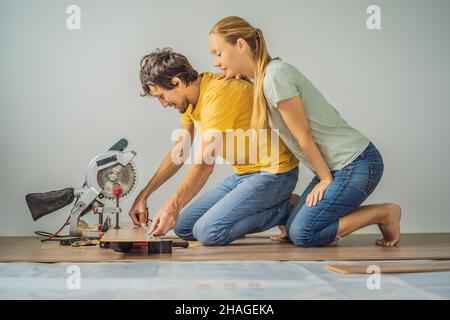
point(317, 192)
point(223, 76)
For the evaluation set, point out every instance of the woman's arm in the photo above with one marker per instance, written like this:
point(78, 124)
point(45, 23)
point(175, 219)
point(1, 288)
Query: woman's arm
point(295, 117)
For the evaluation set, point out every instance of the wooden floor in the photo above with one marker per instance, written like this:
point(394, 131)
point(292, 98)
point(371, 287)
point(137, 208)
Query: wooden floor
point(435, 266)
point(355, 247)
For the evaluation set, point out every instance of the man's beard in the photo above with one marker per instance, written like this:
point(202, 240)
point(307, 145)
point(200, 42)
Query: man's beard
point(184, 106)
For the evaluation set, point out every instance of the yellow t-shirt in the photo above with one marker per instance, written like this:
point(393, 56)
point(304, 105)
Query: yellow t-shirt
point(226, 106)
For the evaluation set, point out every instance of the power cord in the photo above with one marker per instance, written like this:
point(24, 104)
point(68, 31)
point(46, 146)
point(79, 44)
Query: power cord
point(63, 239)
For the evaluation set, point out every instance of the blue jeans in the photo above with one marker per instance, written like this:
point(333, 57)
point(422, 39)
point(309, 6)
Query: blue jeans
point(238, 205)
point(318, 225)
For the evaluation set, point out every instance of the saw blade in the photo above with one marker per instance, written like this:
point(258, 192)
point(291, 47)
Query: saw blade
point(117, 176)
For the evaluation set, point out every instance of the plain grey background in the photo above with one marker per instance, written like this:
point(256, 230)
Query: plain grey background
point(68, 95)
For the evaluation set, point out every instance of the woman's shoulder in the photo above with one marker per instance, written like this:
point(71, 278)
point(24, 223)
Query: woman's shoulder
point(281, 81)
point(278, 68)
point(278, 65)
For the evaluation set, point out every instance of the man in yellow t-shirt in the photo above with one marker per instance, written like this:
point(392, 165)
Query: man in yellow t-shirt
point(225, 107)
point(255, 198)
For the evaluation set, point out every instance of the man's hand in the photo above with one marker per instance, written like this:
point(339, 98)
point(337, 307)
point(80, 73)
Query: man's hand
point(164, 220)
point(139, 211)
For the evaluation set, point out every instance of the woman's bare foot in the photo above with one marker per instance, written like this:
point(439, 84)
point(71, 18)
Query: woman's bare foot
point(390, 227)
point(293, 199)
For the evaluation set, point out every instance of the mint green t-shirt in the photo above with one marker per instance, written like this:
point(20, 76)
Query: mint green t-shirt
point(338, 142)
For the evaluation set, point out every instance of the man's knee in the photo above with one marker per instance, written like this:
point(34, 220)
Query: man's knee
point(183, 232)
point(209, 235)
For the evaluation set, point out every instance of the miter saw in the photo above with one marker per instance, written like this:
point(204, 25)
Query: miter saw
point(110, 176)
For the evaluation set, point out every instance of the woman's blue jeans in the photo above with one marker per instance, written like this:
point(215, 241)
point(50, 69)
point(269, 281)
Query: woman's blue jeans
point(239, 205)
point(318, 225)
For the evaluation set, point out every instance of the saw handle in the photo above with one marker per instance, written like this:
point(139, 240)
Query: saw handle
point(120, 145)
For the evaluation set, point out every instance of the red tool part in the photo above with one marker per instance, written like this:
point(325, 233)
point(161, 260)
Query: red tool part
point(117, 191)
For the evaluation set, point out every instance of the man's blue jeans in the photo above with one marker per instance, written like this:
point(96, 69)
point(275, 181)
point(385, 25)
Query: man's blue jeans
point(239, 205)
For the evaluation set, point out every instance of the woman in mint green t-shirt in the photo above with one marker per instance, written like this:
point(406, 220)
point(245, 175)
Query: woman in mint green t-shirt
point(347, 166)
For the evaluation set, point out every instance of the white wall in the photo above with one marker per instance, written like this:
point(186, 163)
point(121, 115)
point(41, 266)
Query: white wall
point(68, 95)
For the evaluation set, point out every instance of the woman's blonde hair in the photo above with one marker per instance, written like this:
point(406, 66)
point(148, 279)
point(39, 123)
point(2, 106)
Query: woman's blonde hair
point(231, 29)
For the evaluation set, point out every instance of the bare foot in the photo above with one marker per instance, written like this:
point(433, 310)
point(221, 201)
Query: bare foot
point(390, 227)
point(293, 199)
point(282, 236)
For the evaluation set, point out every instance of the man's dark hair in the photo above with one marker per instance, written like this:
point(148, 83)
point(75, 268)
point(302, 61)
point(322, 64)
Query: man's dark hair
point(159, 67)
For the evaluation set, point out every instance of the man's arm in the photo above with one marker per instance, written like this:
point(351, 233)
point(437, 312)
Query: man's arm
point(171, 163)
point(193, 182)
